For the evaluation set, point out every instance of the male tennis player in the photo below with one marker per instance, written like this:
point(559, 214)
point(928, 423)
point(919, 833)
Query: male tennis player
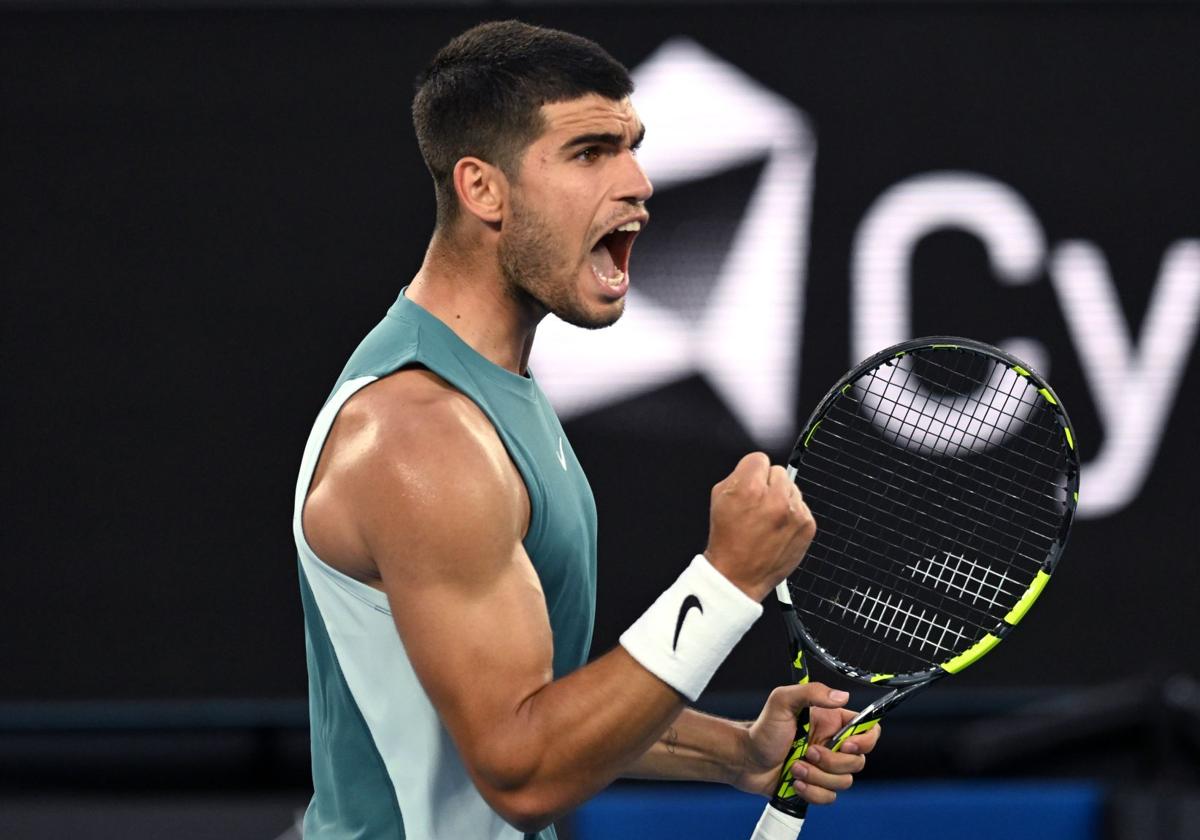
point(447, 534)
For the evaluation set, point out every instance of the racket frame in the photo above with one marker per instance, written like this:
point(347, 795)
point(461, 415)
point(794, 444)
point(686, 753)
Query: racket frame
point(802, 643)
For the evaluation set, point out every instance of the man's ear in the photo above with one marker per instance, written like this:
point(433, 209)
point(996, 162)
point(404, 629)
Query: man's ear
point(482, 189)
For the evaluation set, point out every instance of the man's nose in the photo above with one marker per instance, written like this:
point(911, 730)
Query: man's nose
point(635, 185)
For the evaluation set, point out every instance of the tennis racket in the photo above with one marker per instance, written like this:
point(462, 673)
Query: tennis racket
point(943, 476)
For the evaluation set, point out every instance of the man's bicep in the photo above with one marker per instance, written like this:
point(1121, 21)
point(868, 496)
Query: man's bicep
point(479, 638)
point(445, 530)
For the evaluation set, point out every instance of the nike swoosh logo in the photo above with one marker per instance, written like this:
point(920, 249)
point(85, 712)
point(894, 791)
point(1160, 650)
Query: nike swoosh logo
point(688, 603)
point(562, 458)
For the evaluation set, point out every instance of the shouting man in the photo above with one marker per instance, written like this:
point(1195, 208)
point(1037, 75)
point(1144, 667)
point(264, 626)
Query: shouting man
point(447, 534)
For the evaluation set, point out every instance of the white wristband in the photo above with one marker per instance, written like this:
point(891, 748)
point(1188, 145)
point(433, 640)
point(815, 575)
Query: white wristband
point(687, 633)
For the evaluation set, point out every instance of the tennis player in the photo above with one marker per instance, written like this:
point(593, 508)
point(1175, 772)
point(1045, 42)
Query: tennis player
point(447, 535)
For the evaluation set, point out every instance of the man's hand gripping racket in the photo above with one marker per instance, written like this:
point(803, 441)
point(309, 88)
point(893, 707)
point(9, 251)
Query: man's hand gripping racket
point(943, 476)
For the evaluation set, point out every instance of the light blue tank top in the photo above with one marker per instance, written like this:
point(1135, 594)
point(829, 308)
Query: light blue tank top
point(383, 764)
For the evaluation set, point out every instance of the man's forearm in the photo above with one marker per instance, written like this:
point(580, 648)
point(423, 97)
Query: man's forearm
point(696, 747)
point(568, 740)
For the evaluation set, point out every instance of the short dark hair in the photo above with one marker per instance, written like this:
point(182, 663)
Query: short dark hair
point(482, 95)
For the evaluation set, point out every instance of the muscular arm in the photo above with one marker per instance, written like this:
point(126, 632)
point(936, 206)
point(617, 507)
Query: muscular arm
point(416, 494)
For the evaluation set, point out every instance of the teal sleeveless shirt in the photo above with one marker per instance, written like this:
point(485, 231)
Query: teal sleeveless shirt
point(383, 764)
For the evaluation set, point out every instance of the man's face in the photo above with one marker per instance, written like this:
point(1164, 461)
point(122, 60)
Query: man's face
point(578, 183)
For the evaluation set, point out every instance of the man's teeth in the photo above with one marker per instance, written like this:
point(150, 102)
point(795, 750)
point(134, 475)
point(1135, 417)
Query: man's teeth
point(614, 281)
point(632, 227)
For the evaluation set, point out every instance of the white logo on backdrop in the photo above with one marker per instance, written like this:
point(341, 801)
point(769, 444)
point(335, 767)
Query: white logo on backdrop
point(1133, 383)
point(705, 117)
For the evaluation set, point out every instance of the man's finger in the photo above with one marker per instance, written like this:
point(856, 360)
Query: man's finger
point(777, 477)
point(753, 467)
point(834, 762)
point(814, 794)
point(795, 697)
point(816, 776)
point(864, 743)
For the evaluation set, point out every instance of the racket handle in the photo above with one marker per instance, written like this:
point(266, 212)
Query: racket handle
point(784, 814)
point(776, 825)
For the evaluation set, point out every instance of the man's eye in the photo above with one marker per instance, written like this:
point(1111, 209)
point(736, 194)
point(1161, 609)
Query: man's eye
point(591, 153)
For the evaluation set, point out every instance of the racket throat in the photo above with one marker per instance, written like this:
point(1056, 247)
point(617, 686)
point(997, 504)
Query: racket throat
point(871, 715)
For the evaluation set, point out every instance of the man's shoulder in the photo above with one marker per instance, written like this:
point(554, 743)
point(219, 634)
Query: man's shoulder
point(414, 404)
point(407, 454)
point(414, 430)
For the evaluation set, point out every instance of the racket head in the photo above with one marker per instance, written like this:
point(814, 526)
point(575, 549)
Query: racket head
point(943, 474)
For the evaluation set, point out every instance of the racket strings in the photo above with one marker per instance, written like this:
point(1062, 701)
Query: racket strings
point(934, 508)
point(843, 418)
point(1049, 492)
point(929, 628)
point(910, 481)
point(902, 485)
point(848, 542)
point(1022, 480)
point(983, 585)
point(927, 631)
point(894, 634)
point(1030, 399)
point(1049, 431)
point(979, 619)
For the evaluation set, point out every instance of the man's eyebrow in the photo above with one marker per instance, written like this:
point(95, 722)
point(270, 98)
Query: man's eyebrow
point(638, 140)
point(604, 139)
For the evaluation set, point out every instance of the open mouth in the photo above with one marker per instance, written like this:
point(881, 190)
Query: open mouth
point(610, 256)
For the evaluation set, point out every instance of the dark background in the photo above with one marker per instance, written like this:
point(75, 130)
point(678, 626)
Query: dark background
point(204, 209)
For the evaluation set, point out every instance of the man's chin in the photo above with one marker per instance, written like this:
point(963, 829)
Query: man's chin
point(595, 319)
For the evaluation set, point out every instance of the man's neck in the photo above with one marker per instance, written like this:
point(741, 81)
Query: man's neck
point(462, 286)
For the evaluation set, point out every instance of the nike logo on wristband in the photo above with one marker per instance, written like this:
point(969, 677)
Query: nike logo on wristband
point(688, 603)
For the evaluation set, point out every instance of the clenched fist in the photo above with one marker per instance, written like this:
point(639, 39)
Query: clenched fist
point(759, 526)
